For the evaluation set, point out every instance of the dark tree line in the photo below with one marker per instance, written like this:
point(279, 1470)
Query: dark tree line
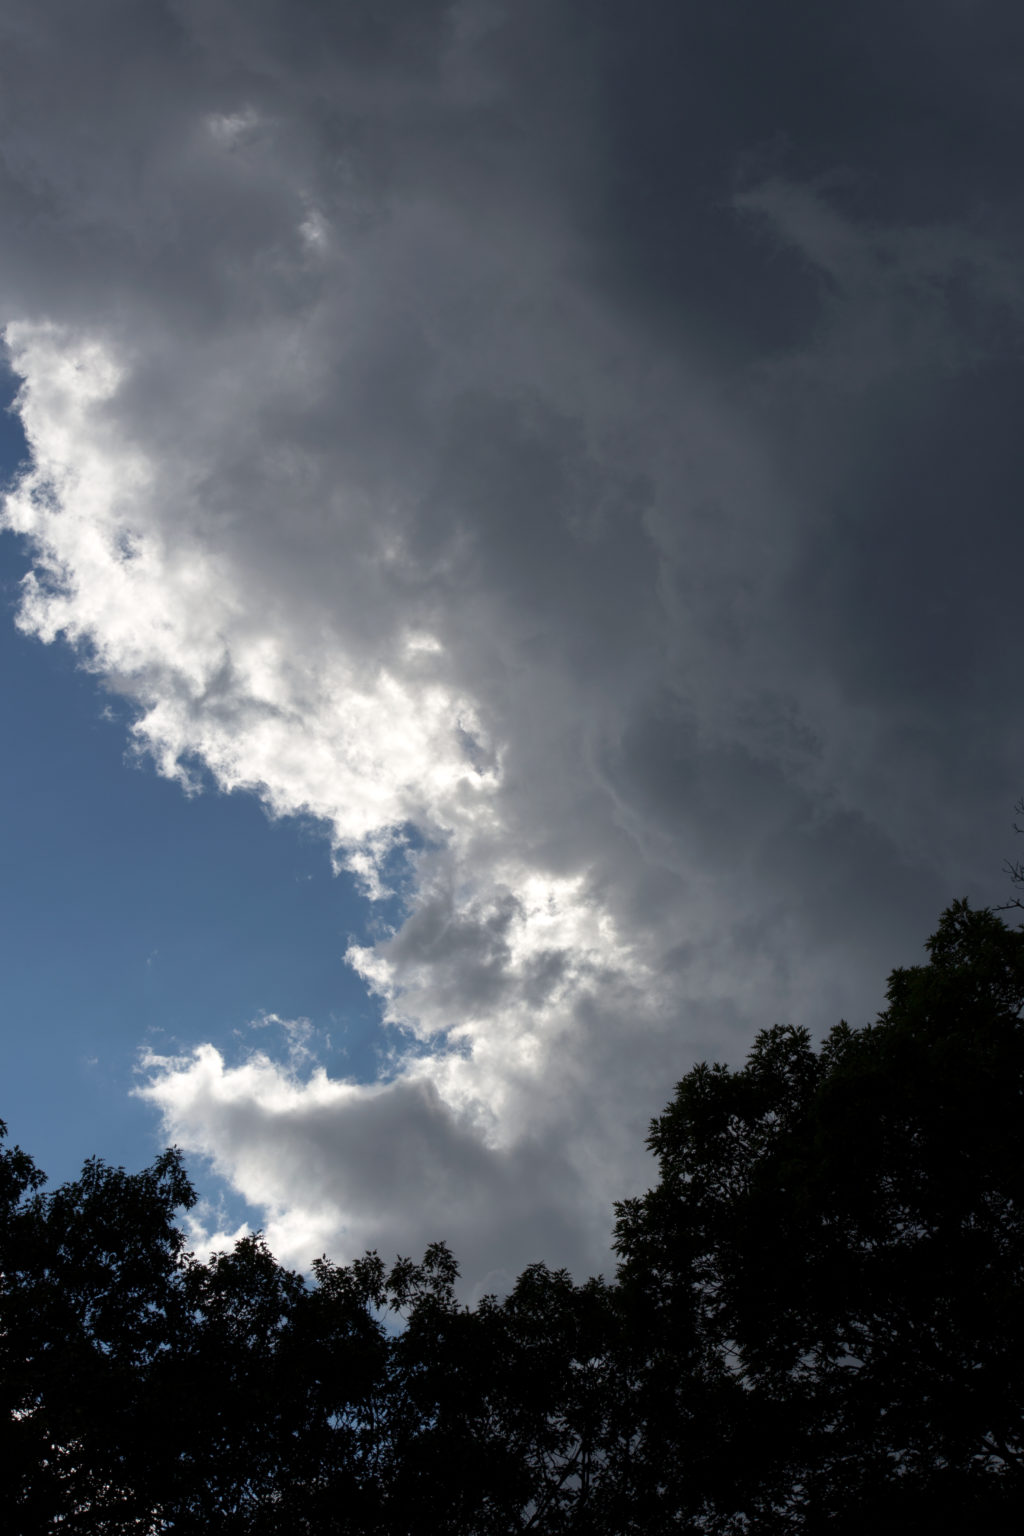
point(816, 1323)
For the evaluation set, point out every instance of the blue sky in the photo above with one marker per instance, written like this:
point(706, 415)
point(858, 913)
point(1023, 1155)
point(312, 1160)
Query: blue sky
point(556, 467)
point(132, 914)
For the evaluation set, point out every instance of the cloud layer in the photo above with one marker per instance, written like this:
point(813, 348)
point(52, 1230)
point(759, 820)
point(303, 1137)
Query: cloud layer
point(447, 426)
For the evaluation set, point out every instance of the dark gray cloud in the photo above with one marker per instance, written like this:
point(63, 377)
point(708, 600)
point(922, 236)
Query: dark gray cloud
point(583, 433)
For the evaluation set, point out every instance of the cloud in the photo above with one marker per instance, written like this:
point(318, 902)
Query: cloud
point(377, 465)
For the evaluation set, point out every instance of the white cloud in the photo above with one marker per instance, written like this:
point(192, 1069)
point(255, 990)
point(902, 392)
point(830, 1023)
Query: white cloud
point(352, 474)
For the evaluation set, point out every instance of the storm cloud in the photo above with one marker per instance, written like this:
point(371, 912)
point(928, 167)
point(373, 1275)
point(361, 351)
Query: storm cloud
point(572, 452)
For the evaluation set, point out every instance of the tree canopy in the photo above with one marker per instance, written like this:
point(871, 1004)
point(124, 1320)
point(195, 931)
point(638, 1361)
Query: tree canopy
point(816, 1322)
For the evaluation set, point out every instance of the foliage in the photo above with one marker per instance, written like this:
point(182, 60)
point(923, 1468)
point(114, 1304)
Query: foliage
point(816, 1322)
point(842, 1231)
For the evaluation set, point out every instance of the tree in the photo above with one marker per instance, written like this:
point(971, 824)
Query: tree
point(837, 1243)
point(85, 1314)
point(817, 1323)
point(144, 1390)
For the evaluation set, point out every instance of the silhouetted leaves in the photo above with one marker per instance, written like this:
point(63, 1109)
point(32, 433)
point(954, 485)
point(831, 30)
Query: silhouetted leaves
point(843, 1232)
point(816, 1323)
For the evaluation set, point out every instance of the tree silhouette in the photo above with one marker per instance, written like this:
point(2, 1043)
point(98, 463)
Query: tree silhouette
point(816, 1322)
point(838, 1241)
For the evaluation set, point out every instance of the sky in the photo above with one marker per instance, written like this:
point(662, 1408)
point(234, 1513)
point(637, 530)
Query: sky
point(510, 577)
